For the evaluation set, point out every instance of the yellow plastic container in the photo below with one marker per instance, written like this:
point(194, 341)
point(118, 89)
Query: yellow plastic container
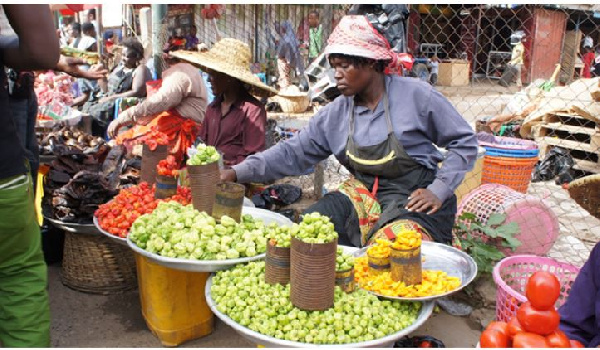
point(173, 302)
point(472, 179)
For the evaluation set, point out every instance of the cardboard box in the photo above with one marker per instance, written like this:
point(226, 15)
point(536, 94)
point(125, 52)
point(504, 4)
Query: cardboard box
point(454, 73)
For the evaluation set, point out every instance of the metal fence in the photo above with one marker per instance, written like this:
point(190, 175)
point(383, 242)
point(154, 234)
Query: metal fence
point(474, 45)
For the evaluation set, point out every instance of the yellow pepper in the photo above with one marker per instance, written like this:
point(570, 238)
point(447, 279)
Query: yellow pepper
point(407, 240)
point(433, 283)
point(381, 249)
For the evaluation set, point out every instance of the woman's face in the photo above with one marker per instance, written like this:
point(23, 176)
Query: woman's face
point(351, 79)
point(129, 58)
point(218, 82)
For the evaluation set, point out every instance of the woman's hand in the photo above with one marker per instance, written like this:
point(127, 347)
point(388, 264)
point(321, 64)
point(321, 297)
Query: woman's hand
point(423, 199)
point(228, 175)
point(123, 120)
point(105, 99)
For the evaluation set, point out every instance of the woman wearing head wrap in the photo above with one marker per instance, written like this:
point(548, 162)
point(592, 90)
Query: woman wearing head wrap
point(384, 129)
point(288, 54)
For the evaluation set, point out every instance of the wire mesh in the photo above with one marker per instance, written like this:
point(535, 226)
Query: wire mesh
point(482, 76)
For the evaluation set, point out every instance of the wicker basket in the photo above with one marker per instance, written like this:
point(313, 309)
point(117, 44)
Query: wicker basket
point(511, 275)
point(96, 264)
point(586, 192)
point(292, 100)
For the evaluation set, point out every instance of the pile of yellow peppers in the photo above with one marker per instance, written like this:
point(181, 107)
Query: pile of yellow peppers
point(434, 282)
point(407, 240)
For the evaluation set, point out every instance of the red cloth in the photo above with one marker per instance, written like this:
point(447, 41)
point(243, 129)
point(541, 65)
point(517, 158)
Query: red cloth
point(182, 132)
point(588, 61)
point(240, 133)
point(355, 36)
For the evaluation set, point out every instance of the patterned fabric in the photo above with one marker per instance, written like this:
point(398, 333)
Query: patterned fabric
point(315, 44)
point(391, 230)
point(284, 69)
point(355, 36)
point(366, 206)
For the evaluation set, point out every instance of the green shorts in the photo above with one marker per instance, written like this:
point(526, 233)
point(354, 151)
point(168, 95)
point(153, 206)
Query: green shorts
point(24, 305)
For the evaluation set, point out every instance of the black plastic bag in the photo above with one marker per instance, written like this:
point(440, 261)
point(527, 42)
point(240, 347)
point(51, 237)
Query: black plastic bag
point(557, 164)
point(423, 341)
point(280, 194)
point(388, 19)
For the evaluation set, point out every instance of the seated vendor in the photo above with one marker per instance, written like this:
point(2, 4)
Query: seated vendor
point(384, 130)
point(580, 314)
point(128, 79)
point(235, 121)
point(177, 109)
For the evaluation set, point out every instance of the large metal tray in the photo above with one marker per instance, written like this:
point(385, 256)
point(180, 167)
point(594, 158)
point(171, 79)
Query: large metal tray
point(267, 341)
point(117, 239)
point(440, 257)
point(75, 228)
point(213, 265)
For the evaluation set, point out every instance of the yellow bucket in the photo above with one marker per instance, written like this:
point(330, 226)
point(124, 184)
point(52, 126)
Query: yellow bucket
point(173, 302)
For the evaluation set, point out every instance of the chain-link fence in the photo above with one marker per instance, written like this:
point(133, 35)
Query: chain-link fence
point(524, 71)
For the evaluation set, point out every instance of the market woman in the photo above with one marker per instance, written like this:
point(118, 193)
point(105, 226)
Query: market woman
point(383, 129)
point(128, 79)
point(176, 109)
point(235, 121)
point(288, 55)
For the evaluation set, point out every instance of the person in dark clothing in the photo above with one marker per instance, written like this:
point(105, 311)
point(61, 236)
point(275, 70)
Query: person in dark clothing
point(24, 305)
point(128, 79)
point(384, 129)
point(580, 314)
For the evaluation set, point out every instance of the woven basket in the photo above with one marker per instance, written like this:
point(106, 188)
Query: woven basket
point(96, 264)
point(586, 192)
point(537, 222)
point(296, 104)
point(511, 275)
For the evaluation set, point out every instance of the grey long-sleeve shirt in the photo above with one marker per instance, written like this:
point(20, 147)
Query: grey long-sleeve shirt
point(421, 117)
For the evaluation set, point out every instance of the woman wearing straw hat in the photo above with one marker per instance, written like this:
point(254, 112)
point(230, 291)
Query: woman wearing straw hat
point(177, 109)
point(384, 129)
point(235, 121)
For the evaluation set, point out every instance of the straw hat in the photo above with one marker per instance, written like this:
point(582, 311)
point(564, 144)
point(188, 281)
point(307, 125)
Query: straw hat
point(231, 57)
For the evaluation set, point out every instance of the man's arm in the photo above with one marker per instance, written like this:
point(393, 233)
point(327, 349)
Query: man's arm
point(38, 44)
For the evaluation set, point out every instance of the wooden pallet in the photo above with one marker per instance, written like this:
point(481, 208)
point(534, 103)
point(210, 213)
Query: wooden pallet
point(578, 135)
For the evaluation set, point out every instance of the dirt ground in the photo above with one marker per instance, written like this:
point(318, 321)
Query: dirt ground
point(87, 320)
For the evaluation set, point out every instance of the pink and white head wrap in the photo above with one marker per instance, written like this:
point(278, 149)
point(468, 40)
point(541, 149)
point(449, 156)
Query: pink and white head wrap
point(355, 36)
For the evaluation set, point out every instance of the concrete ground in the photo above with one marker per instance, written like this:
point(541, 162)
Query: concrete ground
point(87, 320)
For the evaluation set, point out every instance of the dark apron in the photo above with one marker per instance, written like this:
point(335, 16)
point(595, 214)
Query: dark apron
point(391, 175)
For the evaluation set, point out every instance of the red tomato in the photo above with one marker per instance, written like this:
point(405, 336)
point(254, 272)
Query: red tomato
point(542, 290)
point(514, 327)
point(491, 338)
point(558, 339)
point(499, 326)
point(576, 344)
point(529, 340)
point(536, 321)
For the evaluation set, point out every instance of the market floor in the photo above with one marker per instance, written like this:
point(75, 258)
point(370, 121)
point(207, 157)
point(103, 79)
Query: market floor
point(88, 320)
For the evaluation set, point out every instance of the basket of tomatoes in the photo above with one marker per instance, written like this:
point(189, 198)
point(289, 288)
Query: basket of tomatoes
point(536, 323)
point(511, 275)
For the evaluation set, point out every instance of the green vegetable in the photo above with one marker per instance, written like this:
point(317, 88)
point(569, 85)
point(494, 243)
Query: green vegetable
point(242, 294)
point(280, 235)
point(343, 262)
point(205, 155)
point(175, 230)
point(314, 228)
